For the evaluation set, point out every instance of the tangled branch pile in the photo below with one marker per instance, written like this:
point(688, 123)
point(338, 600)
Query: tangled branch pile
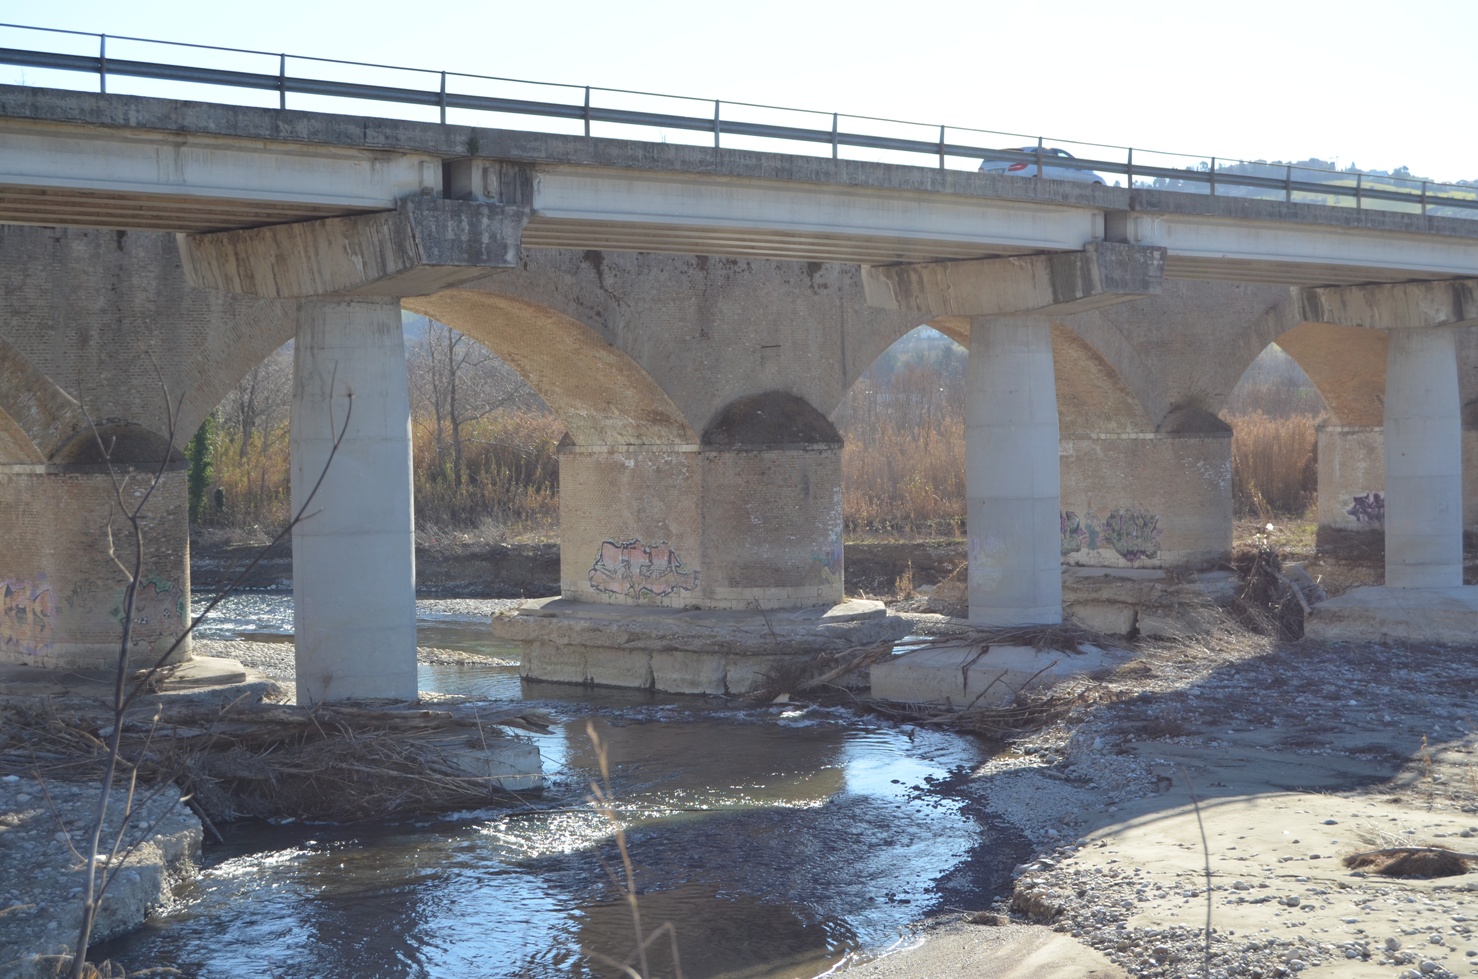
point(330, 761)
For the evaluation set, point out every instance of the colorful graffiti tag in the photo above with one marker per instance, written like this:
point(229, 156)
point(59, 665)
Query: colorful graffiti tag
point(26, 613)
point(158, 612)
point(634, 569)
point(830, 561)
point(1132, 534)
point(1073, 533)
point(1369, 509)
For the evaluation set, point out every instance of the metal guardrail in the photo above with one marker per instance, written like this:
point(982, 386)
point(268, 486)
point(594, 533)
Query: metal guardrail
point(1222, 177)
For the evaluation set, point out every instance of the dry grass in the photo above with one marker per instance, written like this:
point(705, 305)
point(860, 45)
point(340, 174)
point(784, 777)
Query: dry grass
point(1274, 473)
point(510, 463)
point(903, 455)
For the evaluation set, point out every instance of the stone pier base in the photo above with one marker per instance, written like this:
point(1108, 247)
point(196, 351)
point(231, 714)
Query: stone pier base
point(1445, 616)
point(700, 651)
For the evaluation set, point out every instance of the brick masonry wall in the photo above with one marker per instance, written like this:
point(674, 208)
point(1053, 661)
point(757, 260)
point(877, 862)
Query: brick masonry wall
point(63, 596)
point(1146, 501)
point(747, 528)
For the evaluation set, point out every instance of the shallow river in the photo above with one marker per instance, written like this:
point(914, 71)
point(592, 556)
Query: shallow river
point(777, 842)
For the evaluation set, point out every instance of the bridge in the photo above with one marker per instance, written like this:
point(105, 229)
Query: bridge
point(695, 315)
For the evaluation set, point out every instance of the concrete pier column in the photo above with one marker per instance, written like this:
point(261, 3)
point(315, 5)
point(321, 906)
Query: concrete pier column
point(1012, 482)
point(61, 596)
point(1423, 460)
point(354, 557)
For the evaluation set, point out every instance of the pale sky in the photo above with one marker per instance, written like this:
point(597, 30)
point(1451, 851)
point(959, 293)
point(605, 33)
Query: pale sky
point(1380, 85)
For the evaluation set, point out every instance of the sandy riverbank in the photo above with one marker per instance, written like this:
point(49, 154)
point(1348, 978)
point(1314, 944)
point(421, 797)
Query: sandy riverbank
point(1282, 759)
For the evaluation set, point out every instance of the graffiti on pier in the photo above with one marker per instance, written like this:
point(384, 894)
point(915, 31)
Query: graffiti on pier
point(1073, 533)
point(158, 612)
point(26, 616)
point(1369, 509)
point(1132, 534)
point(634, 569)
point(830, 560)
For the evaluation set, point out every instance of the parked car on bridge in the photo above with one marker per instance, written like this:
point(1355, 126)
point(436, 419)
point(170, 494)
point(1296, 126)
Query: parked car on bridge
point(1053, 167)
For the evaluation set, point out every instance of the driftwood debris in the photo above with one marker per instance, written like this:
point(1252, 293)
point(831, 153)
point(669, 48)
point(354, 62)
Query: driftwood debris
point(343, 761)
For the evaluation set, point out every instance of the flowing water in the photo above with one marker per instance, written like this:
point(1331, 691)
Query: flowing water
point(776, 841)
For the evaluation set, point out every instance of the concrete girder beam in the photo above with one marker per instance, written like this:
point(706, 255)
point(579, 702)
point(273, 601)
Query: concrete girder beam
point(1402, 305)
point(1101, 274)
point(423, 246)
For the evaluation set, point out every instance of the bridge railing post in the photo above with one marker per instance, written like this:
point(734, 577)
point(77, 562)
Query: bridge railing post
point(1039, 157)
point(941, 147)
point(1129, 170)
point(443, 98)
point(834, 135)
point(103, 63)
point(587, 110)
point(1213, 176)
point(282, 81)
point(1359, 180)
point(716, 130)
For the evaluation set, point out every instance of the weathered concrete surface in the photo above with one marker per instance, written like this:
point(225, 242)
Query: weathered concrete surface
point(354, 573)
point(985, 676)
point(1396, 306)
point(423, 246)
point(713, 652)
point(1146, 601)
point(1446, 616)
point(1102, 274)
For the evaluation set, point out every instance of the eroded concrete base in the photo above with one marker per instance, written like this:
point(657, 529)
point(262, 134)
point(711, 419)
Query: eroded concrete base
point(1447, 616)
point(1145, 601)
point(965, 673)
point(678, 651)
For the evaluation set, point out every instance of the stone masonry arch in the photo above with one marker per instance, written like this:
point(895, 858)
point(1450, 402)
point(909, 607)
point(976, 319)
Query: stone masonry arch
point(599, 392)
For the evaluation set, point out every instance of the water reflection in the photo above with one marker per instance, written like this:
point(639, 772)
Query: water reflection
point(775, 841)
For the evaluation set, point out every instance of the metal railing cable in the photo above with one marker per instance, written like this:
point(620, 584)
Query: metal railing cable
point(1289, 182)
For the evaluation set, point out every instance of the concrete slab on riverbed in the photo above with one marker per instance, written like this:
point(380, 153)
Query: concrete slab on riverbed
point(1446, 616)
point(963, 673)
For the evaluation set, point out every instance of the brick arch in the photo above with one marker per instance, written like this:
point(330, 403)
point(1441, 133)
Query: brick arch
point(1347, 365)
point(600, 393)
point(36, 416)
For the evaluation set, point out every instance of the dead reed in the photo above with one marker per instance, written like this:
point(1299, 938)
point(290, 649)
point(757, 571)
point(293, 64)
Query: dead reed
point(1274, 471)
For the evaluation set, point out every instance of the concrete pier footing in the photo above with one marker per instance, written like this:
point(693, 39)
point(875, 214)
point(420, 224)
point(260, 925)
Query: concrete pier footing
point(724, 651)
